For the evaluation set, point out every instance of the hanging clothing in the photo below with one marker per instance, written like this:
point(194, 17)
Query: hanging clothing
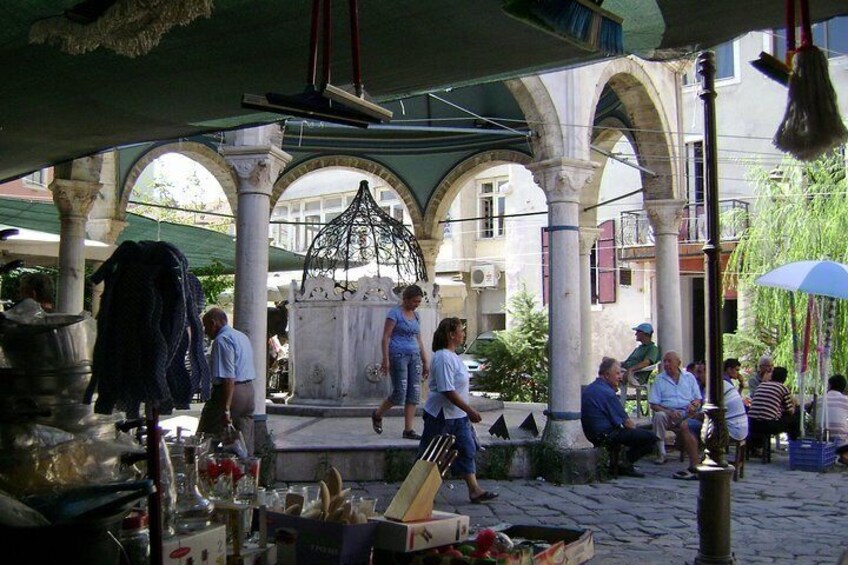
point(148, 322)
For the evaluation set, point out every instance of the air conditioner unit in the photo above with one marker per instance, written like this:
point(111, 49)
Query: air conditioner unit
point(484, 276)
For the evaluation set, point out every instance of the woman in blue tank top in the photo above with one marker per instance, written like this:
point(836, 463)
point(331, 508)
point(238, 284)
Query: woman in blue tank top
point(404, 359)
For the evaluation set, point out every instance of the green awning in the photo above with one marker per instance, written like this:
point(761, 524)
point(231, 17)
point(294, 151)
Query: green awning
point(201, 247)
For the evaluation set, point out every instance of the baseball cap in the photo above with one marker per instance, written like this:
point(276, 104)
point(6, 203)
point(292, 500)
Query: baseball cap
point(644, 327)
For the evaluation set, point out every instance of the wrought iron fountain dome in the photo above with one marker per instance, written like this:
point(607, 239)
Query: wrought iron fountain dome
point(364, 234)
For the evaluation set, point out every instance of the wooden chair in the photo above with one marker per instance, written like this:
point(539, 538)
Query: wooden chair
point(739, 458)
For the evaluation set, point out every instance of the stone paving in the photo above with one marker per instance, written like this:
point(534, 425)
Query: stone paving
point(778, 515)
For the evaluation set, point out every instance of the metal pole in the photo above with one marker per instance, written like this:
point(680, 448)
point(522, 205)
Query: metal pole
point(714, 472)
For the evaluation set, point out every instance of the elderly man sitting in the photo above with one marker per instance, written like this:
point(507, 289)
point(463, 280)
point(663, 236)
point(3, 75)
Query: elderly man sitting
point(676, 399)
point(605, 421)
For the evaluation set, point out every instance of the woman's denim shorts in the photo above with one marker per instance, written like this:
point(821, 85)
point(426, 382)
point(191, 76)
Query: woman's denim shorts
point(465, 444)
point(405, 370)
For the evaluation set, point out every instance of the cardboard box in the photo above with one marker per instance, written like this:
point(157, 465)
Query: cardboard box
point(207, 547)
point(325, 543)
point(569, 547)
point(443, 529)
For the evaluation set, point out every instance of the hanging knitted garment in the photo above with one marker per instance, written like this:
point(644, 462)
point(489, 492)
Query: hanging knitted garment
point(148, 319)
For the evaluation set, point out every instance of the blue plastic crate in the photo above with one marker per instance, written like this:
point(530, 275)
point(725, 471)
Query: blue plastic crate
point(811, 455)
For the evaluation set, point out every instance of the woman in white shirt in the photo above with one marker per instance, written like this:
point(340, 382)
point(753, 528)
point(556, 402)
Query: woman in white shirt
point(447, 411)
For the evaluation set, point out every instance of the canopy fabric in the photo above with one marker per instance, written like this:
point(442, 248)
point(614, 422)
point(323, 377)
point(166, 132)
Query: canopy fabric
point(58, 106)
point(201, 247)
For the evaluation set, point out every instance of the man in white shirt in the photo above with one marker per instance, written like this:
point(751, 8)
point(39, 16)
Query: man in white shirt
point(837, 415)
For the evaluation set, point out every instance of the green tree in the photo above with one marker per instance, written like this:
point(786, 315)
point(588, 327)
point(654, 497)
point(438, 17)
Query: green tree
point(801, 214)
point(214, 281)
point(517, 363)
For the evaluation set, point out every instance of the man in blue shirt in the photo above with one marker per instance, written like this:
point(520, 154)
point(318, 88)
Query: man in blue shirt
point(233, 372)
point(605, 421)
point(675, 399)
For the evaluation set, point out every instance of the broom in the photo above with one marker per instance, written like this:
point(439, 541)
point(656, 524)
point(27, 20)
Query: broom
point(811, 125)
point(773, 67)
point(580, 22)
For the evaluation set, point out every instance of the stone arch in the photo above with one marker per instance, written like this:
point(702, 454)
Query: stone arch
point(352, 162)
point(651, 133)
point(534, 99)
point(607, 134)
point(455, 179)
point(199, 152)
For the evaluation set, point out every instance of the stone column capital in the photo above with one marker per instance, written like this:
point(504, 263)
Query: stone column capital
point(665, 215)
point(562, 179)
point(256, 167)
point(588, 236)
point(430, 247)
point(106, 230)
point(74, 198)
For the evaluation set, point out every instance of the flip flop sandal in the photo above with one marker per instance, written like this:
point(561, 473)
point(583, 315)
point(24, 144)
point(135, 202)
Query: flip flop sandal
point(486, 496)
point(376, 422)
point(685, 476)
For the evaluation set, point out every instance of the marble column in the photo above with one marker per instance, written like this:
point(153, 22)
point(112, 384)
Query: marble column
point(588, 237)
point(562, 181)
point(74, 198)
point(665, 217)
point(256, 167)
point(430, 249)
point(106, 230)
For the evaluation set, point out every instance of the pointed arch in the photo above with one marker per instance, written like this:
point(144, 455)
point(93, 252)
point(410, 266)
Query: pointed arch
point(652, 134)
point(352, 162)
point(450, 185)
point(203, 154)
point(534, 99)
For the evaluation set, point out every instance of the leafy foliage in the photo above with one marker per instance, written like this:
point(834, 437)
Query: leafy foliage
point(517, 359)
point(801, 214)
point(214, 281)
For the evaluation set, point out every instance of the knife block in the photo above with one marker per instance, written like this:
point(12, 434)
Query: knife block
point(414, 500)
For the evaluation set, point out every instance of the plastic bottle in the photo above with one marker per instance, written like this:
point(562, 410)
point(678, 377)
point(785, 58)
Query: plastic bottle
point(135, 538)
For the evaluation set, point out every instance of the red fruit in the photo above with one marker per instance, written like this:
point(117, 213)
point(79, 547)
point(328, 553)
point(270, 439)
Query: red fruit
point(451, 552)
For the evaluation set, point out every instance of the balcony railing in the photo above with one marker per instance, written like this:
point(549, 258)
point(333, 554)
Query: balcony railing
point(635, 229)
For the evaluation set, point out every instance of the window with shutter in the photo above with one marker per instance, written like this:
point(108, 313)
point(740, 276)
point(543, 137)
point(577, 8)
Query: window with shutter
point(604, 265)
point(546, 267)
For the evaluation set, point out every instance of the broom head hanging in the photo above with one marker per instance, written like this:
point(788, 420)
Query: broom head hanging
point(811, 125)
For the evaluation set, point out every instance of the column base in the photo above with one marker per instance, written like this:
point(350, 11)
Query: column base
point(565, 456)
point(714, 515)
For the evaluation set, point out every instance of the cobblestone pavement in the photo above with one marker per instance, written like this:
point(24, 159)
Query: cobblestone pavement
point(778, 515)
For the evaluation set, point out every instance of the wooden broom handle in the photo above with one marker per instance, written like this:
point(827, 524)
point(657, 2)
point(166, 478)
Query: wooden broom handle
point(790, 30)
point(806, 26)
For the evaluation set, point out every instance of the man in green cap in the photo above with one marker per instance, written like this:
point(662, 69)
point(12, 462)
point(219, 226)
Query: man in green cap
point(639, 364)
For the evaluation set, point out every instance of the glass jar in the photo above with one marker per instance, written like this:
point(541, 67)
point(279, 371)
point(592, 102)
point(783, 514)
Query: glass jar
point(135, 538)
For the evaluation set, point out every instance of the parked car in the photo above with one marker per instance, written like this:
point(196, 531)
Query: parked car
point(472, 356)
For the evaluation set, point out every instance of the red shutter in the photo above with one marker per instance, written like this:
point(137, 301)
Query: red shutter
point(546, 267)
point(606, 262)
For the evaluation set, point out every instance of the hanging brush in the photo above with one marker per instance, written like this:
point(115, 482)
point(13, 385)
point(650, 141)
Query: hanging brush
point(812, 124)
point(772, 67)
point(580, 22)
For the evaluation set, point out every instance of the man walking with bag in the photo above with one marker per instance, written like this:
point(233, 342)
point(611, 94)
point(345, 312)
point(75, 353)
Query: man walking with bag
point(232, 400)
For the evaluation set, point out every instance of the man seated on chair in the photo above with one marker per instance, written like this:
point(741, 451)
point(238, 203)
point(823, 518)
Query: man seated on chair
point(837, 415)
point(605, 422)
point(676, 399)
point(640, 362)
point(772, 409)
point(734, 405)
